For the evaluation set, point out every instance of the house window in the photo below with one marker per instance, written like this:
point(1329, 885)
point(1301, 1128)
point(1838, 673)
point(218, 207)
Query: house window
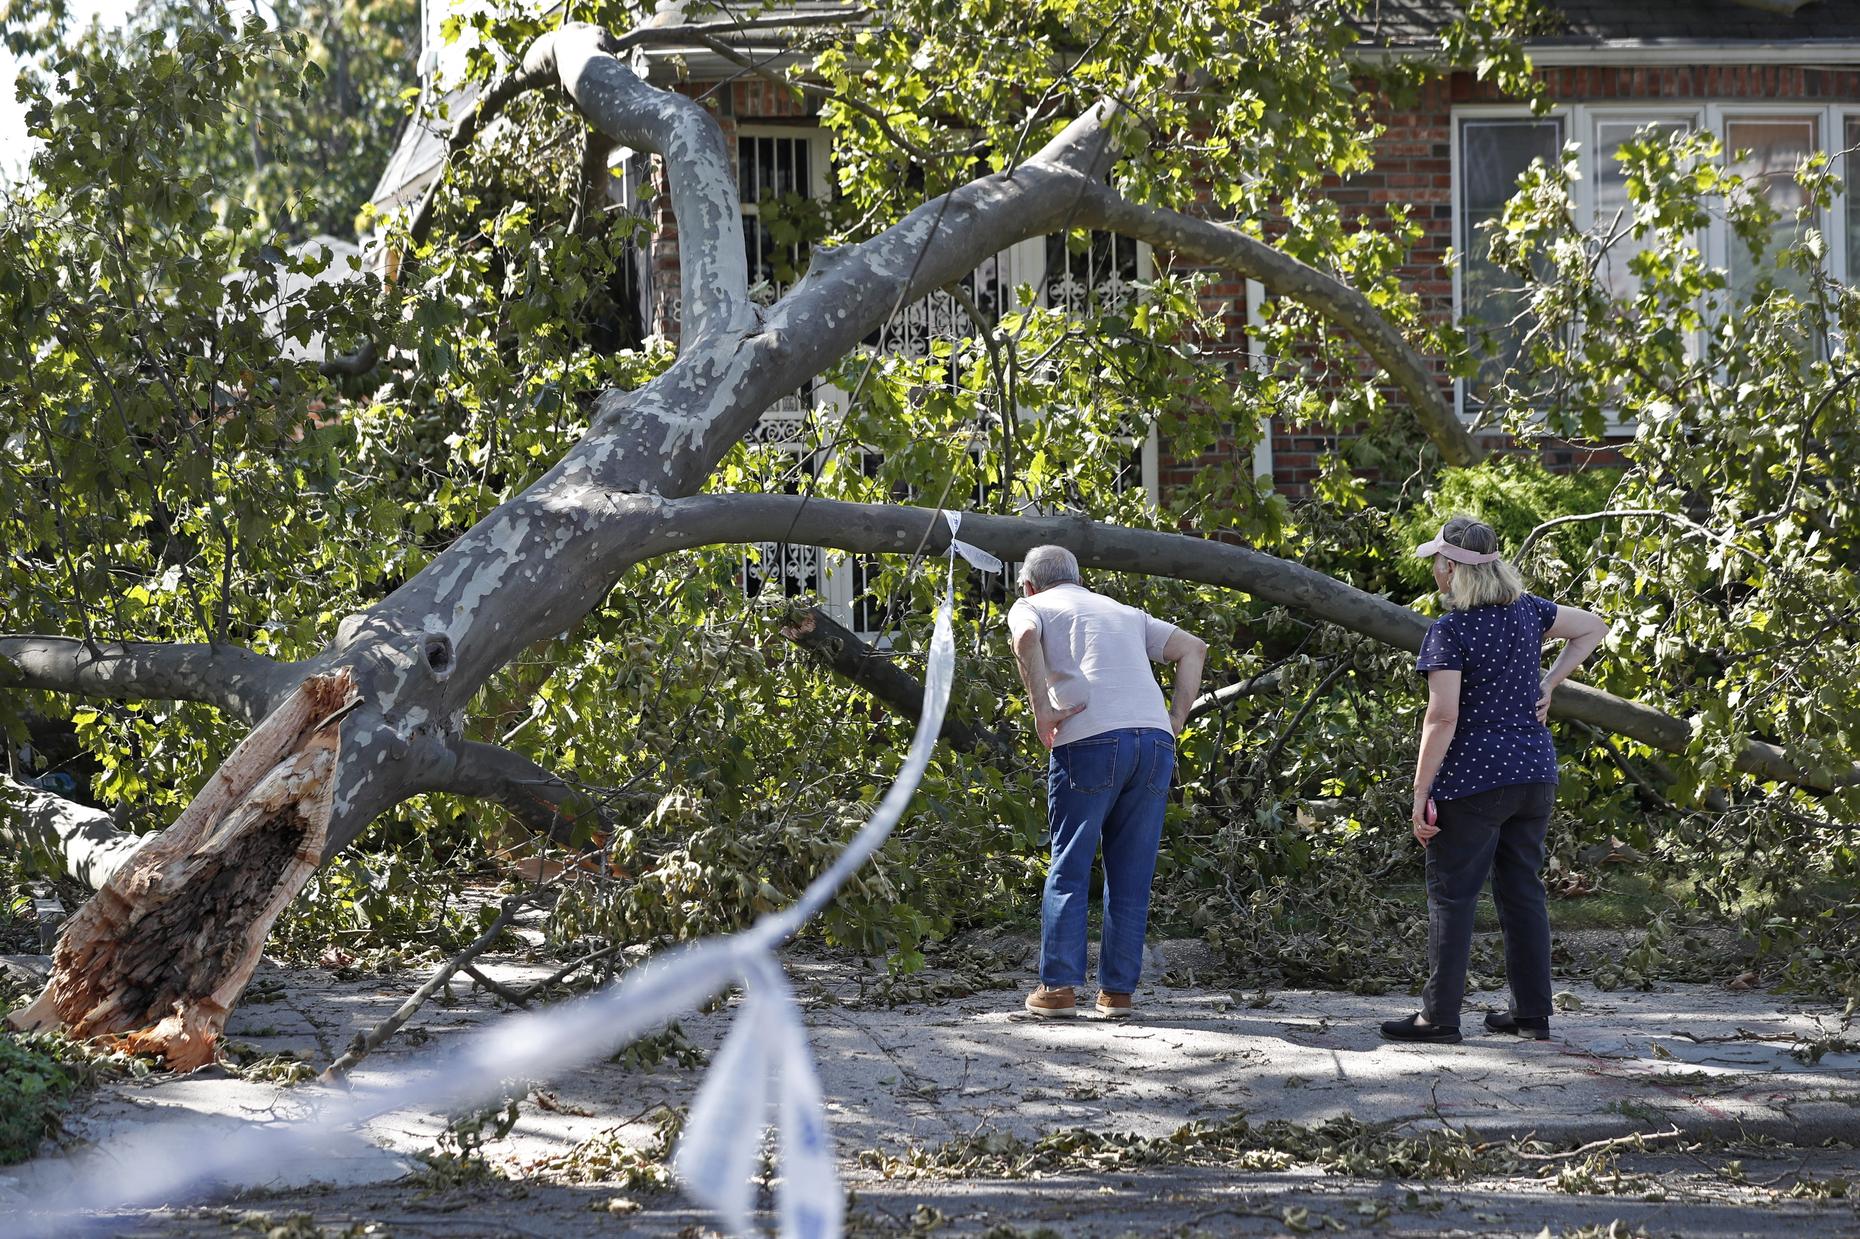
point(1614, 213)
point(1766, 151)
point(772, 166)
point(1852, 145)
point(1765, 145)
point(1101, 275)
point(1493, 155)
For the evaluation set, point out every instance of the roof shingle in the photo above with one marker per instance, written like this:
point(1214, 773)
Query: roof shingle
point(1409, 23)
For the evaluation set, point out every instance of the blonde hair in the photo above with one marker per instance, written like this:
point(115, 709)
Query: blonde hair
point(1478, 585)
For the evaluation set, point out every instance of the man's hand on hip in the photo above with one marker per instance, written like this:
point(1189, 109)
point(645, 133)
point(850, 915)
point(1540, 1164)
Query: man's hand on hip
point(1047, 722)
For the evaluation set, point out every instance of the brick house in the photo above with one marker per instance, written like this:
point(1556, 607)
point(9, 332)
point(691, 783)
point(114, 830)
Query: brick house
point(1778, 85)
point(1779, 79)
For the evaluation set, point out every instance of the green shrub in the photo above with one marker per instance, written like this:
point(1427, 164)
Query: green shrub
point(1514, 495)
point(39, 1074)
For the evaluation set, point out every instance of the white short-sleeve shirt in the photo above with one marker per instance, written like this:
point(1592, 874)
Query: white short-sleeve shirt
point(1098, 652)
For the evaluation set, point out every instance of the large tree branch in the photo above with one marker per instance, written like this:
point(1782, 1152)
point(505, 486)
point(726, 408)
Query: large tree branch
point(1285, 276)
point(713, 269)
point(540, 68)
point(84, 841)
point(229, 676)
point(1608, 514)
point(850, 290)
point(878, 528)
point(1265, 682)
point(840, 649)
point(536, 796)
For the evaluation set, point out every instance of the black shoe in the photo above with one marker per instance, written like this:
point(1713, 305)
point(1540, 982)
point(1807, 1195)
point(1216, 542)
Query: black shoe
point(1531, 1028)
point(1411, 1029)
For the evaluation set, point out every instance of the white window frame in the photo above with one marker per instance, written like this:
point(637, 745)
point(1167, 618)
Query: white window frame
point(1460, 241)
point(819, 149)
point(1830, 120)
point(1588, 156)
point(834, 584)
point(1838, 252)
point(1256, 359)
point(1579, 121)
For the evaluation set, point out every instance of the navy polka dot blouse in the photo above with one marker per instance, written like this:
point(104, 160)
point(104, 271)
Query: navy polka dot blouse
point(1499, 652)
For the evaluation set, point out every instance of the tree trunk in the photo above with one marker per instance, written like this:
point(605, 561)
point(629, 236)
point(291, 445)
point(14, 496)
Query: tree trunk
point(156, 960)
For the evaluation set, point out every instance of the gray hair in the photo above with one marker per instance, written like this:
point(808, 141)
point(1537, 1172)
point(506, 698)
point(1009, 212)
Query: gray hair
point(1047, 566)
point(1479, 585)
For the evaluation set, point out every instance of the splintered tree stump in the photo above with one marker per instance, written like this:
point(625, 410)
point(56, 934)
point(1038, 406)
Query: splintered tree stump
point(155, 961)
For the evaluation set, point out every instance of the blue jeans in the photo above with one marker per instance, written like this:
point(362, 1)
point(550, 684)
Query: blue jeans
point(1111, 787)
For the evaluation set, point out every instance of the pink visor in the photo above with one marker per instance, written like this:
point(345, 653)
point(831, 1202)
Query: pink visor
point(1458, 554)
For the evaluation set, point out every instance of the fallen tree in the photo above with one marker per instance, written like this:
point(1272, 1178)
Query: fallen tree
point(377, 716)
point(160, 955)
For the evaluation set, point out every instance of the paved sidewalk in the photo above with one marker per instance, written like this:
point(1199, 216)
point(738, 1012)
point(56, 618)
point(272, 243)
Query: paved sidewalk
point(1711, 1061)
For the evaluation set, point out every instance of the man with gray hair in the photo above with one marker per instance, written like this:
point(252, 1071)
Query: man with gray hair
point(1085, 660)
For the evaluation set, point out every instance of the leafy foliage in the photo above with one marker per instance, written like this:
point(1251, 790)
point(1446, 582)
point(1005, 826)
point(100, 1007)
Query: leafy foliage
point(1733, 579)
point(179, 469)
point(305, 129)
point(39, 1072)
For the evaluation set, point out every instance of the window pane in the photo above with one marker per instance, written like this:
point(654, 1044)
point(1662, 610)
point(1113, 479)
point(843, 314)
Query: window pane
point(1853, 201)
point(1493, 155)
point(1103, 275)
point(1766, 152)
point(1614, 214)
point(769, 167)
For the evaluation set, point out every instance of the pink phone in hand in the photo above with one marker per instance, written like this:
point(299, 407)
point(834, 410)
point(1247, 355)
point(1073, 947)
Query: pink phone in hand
point(1430, 810)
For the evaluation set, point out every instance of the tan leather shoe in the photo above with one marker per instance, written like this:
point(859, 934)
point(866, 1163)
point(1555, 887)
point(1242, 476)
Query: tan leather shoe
point(1115, 1006)
point(1050, 1003)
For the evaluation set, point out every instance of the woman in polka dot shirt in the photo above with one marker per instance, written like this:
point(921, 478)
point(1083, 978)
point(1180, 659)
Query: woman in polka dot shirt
point(1485, 780)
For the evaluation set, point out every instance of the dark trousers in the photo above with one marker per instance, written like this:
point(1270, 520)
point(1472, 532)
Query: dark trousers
point(1498, 832)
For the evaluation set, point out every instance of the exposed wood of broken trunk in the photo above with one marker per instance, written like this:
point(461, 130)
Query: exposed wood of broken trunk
point(157, 959)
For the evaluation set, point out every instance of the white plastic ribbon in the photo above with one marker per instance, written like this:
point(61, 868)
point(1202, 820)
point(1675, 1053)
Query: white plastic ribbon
point(968, 550)
point(765, 1063)
point(769, 1043)
point(723, 1134)
point(811, 1204)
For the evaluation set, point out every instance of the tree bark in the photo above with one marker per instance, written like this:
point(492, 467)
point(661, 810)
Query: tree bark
point(228, 676)
point(536, 796)
point(879, 529)
point(1221, 698)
